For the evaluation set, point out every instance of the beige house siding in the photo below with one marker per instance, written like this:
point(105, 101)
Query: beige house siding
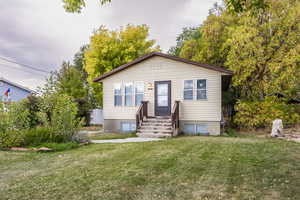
point(161, 69)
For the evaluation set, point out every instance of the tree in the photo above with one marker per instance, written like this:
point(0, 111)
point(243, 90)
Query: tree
point(77, 5)
point(188, 33)
point(262, 50)
point(239, 6)
point(110, 49)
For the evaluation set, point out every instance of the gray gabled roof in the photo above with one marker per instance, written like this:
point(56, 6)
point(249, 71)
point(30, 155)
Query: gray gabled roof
point(142, 58)
point(16, 85)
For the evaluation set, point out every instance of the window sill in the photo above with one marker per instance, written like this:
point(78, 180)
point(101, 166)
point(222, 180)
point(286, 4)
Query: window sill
point(194, 99)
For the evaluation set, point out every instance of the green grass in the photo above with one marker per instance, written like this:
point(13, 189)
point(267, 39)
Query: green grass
point(176, 169)
point(109, 136)
point(59, 146)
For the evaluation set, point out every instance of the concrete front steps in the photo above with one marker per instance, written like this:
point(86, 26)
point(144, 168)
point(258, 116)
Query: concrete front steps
point(156, 127)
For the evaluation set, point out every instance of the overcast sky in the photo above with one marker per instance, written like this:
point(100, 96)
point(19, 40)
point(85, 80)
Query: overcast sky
point(41, 34)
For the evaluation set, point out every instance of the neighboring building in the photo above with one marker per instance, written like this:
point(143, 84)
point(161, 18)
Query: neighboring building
point(10, 91)
point(161, 95)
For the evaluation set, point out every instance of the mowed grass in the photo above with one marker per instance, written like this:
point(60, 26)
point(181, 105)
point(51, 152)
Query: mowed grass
point(180, 168)
point(110, 136)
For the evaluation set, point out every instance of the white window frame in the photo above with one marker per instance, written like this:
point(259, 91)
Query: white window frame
point(195, 89)
point(189, 89)
point(121, 88)
point(132, 94)
point(135, 93)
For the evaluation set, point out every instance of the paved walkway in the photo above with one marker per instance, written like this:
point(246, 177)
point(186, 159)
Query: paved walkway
point(134, 139)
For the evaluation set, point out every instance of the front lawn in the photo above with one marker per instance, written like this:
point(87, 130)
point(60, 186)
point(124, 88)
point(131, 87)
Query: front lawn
point(180, 168)
point(110, 136)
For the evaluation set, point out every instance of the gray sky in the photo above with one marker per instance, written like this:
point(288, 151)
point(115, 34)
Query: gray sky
point(41, 34)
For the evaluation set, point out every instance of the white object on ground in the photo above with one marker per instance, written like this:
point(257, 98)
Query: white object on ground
point(277, 128)
point(134, 139)
point(96, 117)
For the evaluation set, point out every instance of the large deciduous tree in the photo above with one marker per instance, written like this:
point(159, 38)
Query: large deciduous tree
point(262, 50)
point(239, 6)
point(110, 49)
point(188, 34)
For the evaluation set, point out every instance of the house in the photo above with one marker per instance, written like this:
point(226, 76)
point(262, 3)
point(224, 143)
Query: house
point(161, 95)
point(10, 91)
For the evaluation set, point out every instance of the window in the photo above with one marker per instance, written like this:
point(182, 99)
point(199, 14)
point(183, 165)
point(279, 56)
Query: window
point(188, 90)
point(195, 129)
point(139, 93)
point(162, 94)
point(128, 127)
point(201, 89)
point(118, 94)
point(128, 94)
point(189, 129)
point(202, 129)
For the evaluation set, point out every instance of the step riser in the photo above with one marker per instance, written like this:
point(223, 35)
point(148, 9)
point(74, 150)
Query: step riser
point(156, 124)
point(155, 128)
point(158, 121)
point(147, 135)
point(155, 131)
point(159, 127)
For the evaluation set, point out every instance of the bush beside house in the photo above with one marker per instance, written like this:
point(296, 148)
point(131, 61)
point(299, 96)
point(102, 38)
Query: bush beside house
point(53, 121)
point(260, 114)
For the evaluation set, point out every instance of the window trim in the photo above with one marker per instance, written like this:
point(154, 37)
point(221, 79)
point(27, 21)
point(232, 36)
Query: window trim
point(132, 94)
point(121, 88)
point(135, 93)
point(189, 90)
point(196, 93)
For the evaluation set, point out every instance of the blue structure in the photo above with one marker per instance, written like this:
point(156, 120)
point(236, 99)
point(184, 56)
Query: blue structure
point(10, 91)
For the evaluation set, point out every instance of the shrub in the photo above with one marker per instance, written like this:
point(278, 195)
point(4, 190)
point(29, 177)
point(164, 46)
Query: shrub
point(14, 116)
point(58, 113)
point(32, 104)
point(231, 132)
point(258, 114)
point(11, 139)
point(37, 136)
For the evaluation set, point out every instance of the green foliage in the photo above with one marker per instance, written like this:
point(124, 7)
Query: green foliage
point(262, 50)
point(239, 6)
point(231, 132)
point(32, 104)
point(37, 136)
point(188, 34)
point(75, 6)
point(256, 114)
point(72, 81)
point(209, 47)
point(14, 116)
point(11, 138)
point(110, 49)
point(58, 113)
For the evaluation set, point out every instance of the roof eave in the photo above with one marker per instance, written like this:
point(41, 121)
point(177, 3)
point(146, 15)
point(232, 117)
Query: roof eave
point(142, 58)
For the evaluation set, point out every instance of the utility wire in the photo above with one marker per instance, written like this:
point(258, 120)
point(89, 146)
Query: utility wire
point(16, 68)
point(24, 65)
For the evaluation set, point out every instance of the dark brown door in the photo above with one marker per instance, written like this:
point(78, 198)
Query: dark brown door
point(162, 98)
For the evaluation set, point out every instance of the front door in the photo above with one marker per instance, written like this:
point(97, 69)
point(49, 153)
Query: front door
point(162, 98)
